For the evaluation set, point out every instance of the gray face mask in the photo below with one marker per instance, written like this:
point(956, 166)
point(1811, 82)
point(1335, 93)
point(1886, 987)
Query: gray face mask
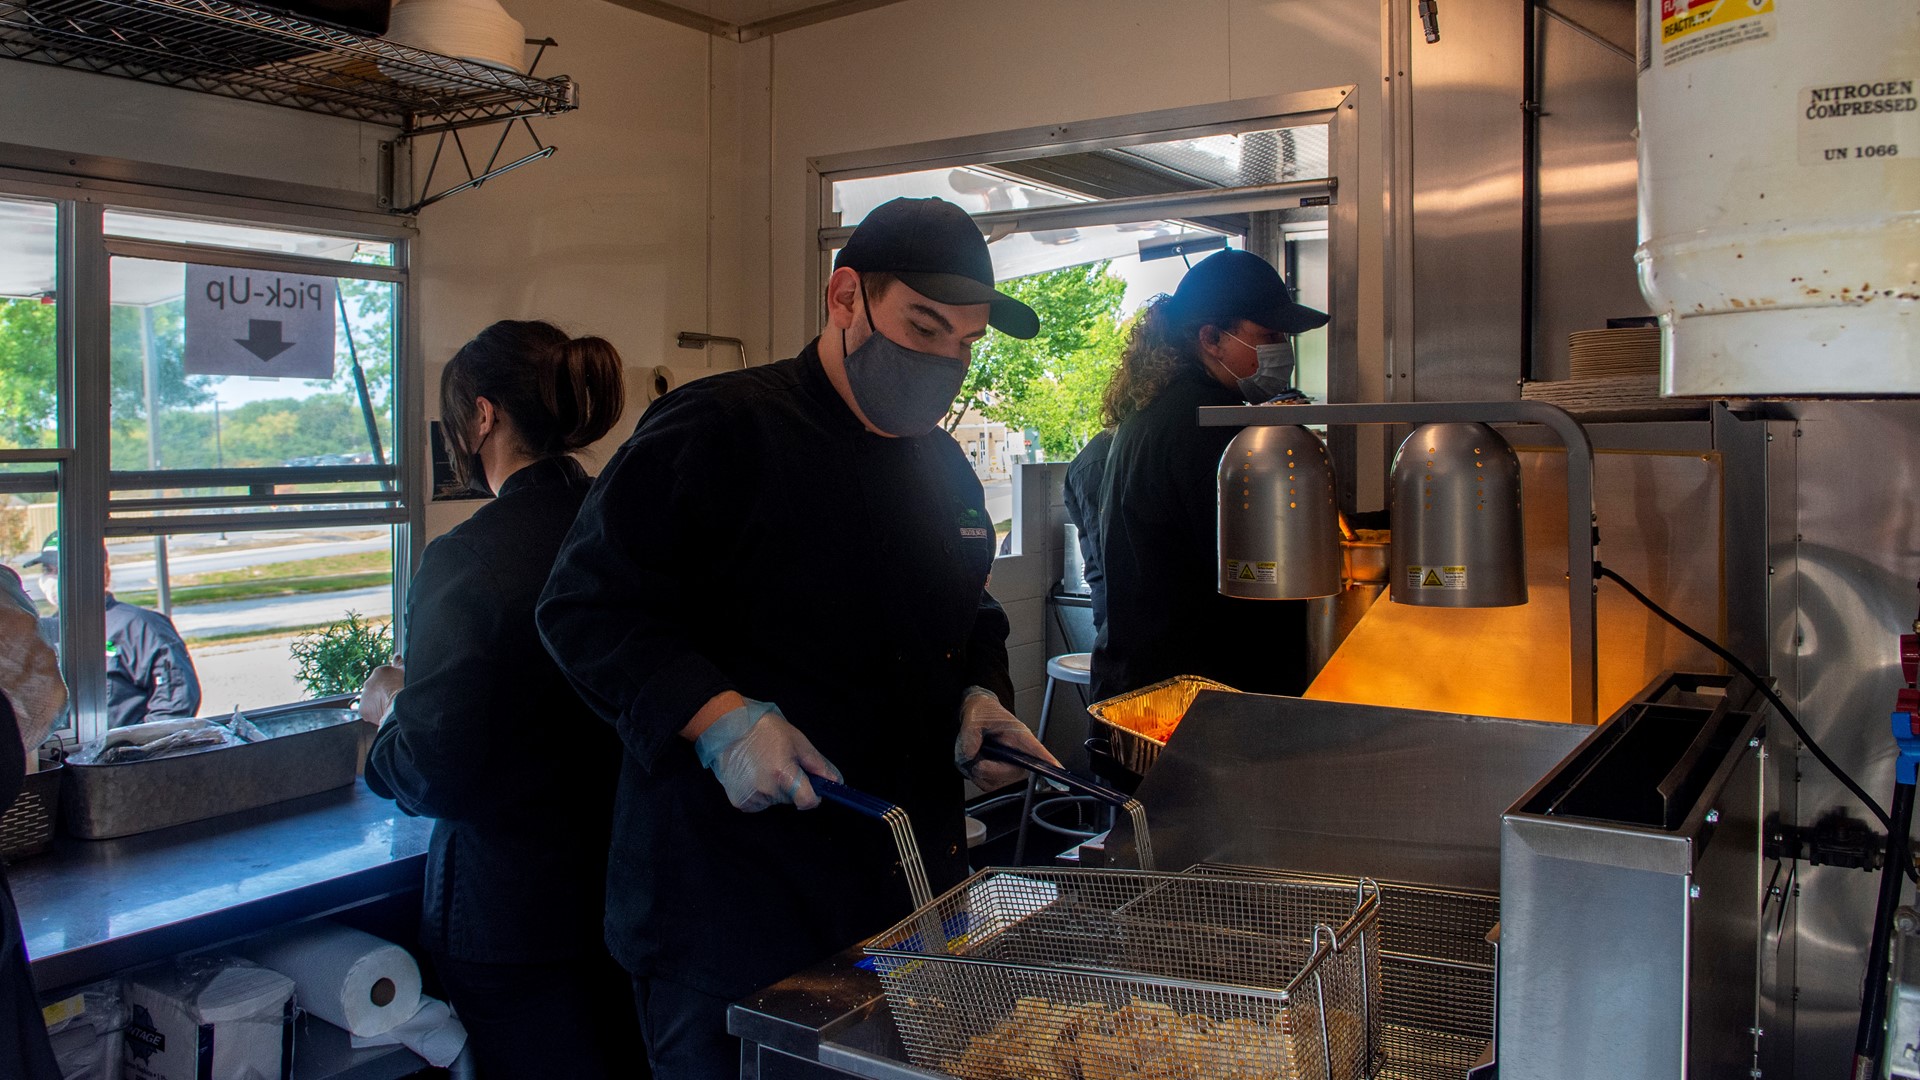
point(1273, 376)
point(903, 391)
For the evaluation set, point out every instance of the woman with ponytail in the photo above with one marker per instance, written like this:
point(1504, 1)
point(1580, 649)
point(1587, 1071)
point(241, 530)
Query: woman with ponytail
point(1222, 338)
point(482, 732)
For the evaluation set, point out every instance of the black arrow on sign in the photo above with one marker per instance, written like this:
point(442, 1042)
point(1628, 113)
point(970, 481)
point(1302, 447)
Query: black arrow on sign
point(263, 339)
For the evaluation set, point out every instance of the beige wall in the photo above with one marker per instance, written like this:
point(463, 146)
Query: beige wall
point(611, 235)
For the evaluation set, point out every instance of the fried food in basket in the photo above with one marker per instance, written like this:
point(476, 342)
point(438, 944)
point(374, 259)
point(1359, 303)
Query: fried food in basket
point(1145, 1040)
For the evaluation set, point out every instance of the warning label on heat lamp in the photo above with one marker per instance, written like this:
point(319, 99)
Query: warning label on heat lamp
point(1690, 28)
point(1436, 577)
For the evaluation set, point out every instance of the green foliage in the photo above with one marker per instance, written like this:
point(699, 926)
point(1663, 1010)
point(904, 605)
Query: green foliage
point(1053, 382)
point(257, 433)
point(163, 327)
point(338, 659)
point(28, 373)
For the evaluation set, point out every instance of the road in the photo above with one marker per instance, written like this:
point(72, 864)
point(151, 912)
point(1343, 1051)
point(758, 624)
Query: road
point(272, 613)
point(137, 574)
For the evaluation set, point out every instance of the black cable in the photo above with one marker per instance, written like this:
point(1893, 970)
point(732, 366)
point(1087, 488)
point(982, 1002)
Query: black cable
point(1785, 713)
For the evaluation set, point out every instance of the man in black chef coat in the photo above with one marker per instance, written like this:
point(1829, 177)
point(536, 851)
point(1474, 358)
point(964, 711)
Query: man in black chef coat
point(782, 573)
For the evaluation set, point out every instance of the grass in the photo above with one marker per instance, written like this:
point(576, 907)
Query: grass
point(241, 637)
point(329, 573)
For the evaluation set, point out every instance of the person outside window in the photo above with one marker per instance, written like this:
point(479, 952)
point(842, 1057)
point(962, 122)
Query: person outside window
point(150, 674)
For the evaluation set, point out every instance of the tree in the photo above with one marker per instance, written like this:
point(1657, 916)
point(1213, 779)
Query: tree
point(29, 373)
point(1052, 382)
point(165, 334)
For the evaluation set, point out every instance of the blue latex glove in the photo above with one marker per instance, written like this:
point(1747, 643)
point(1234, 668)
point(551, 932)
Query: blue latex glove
point(761, 759)
point(982, 717)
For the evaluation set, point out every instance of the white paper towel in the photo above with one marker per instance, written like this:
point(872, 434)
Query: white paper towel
point(350, 979)
point(434, 1033)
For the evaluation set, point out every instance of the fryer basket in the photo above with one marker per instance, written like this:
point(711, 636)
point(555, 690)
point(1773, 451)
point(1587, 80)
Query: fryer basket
point(1052, 974)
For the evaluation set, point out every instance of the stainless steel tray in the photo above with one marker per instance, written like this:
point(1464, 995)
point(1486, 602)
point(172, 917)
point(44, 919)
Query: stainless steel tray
point(309, 750)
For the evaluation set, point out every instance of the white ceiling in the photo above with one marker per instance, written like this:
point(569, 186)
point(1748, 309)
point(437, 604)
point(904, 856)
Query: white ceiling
point(745, 20)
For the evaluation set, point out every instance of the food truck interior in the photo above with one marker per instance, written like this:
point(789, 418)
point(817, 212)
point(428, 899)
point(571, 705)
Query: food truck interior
point(1605, 820)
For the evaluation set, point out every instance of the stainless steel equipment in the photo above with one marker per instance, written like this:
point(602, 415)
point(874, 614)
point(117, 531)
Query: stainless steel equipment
point(1279, 529)
point(308, 750)
point(1107, 974)
point(1323, 788)
point(1631, 890)
point(1456, 502)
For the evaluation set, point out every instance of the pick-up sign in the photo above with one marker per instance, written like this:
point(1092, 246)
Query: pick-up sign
point(259, 323)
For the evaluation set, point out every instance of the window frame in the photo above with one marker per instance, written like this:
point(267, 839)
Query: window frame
point(1333, 107)
point(82, 476)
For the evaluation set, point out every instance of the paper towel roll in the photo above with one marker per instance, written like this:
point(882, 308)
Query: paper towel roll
point(665, 378)
point(350, 979)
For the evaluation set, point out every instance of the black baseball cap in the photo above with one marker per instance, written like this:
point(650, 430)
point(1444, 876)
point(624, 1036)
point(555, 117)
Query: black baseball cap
point(936, 250)
point(49, 556)
point(1231, 285)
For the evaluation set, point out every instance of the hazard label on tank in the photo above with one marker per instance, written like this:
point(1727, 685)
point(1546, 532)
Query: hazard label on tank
point(1691, 28)
point(1264, 573)
point(1436, 577)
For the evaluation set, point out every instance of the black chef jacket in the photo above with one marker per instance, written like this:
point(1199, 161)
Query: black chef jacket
point(752, 536)
point(1084, 483)
point(1165, 615)
point(489, 738)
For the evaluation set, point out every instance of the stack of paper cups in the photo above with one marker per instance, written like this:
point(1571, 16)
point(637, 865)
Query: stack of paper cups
point(350, 979)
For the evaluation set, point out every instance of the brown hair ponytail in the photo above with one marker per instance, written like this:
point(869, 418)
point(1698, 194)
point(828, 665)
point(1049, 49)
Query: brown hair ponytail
point(561, 393)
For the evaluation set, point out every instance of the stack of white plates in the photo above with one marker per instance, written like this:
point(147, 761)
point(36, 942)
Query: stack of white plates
point(1599, 354)
point(479, 31)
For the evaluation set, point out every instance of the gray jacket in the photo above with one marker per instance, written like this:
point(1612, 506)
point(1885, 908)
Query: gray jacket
point(149, 674)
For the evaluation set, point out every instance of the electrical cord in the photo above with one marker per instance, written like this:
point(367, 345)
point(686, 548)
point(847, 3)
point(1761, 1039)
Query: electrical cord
point(1806, 739)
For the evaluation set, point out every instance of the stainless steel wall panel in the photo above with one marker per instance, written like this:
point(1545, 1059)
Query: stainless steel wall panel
point(1468, 162)
point(1583, 249)
point(1858, 556)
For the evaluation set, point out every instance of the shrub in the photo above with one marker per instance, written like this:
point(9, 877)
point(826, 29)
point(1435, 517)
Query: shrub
point(338, 659)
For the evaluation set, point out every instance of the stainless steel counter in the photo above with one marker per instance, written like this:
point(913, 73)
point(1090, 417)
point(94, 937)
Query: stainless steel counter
point(829, 1021)
point(90, 908)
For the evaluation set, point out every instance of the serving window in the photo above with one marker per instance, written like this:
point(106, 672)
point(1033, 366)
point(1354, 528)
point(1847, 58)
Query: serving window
point(202, 438)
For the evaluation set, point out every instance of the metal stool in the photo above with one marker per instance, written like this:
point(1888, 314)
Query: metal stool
point(1077, 669)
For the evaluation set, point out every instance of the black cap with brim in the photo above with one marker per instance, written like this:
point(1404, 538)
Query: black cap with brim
point(48, 558)
point(936, 250)
point(1005, 314)
point(1230, 285)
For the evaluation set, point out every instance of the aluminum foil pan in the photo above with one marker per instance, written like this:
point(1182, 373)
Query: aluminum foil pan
point(1139, 722)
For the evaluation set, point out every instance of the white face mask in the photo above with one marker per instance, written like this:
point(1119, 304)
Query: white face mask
point(50, 588)
point(1274, 374)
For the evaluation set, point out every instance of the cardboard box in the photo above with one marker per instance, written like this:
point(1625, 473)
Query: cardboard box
point(209, 1018)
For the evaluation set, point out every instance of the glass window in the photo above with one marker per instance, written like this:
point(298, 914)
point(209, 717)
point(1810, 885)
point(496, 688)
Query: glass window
point(217, 367)
point(253, 415)
point(241, 601)
point(181, 229)
point(29, 350)
point(1041, 400)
